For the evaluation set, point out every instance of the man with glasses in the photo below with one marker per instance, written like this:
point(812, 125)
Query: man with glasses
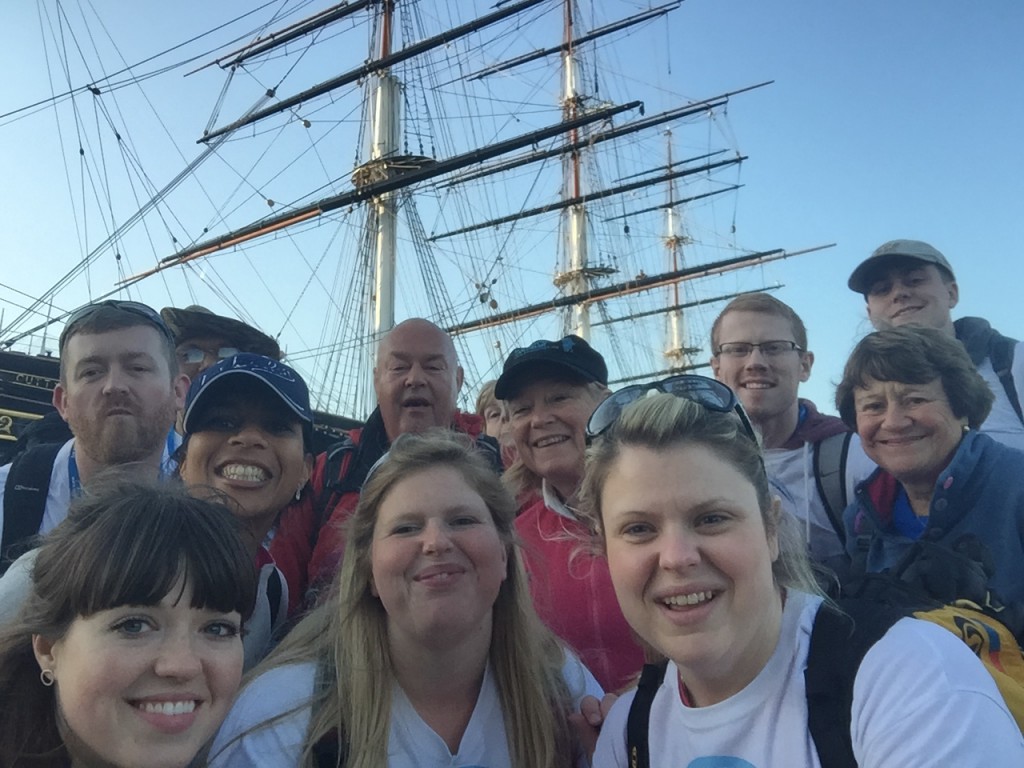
point(759, 349)
point(119, 392)
point(203, 339)
point(908, 282)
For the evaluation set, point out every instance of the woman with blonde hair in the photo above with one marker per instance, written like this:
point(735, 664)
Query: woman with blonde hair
point(428, 652)
point(709, 574)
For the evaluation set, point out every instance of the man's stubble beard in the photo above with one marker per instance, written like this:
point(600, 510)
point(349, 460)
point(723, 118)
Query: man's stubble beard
point(124, 440)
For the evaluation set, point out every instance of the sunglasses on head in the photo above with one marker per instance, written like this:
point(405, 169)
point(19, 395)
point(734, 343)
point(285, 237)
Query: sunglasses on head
point(709, 393)
point(144, 311)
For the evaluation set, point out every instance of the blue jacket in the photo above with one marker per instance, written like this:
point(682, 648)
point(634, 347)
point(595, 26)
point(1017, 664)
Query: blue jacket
point(980, 492)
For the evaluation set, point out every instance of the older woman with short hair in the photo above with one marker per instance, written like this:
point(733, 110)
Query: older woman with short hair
point(915, 399)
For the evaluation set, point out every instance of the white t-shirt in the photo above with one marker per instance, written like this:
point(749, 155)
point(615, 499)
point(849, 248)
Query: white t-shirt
point(791, 474)
point(58, 495)
point(921, 699)
point(411, 742)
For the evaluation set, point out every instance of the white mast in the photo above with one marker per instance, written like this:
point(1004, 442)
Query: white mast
point(575, 279)
point(385, 125)
point(676, 351)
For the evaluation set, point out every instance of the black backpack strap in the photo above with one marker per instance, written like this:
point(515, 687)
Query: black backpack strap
point(337, 469)
point(1001, 350)
point(275, 591)
point(829, 466)
point(28, 483)
point(639, 718)
point(981, 340)
point(490, 448)
point(842, 634)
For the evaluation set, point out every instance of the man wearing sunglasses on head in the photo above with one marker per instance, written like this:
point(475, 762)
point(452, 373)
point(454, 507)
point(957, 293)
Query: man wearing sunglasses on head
point(119, 391)
point(759, 349)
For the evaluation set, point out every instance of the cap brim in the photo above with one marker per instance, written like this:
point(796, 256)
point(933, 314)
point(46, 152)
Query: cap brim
point(212, 383)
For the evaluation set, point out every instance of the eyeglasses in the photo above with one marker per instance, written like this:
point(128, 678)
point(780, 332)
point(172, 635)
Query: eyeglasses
point(144, 311)
point(709, 393)
point(192, 354)
point(740, 349)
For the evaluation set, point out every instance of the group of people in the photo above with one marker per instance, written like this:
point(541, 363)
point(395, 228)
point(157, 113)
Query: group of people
point(443, 588)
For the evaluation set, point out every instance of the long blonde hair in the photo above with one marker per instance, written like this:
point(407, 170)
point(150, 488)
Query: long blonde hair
point(347, 636)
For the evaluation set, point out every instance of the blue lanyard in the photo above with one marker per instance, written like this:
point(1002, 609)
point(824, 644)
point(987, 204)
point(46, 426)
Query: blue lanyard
point(166, 467)
point(73, 478)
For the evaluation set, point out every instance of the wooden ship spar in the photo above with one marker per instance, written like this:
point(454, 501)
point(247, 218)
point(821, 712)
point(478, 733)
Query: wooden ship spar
point(616, 245)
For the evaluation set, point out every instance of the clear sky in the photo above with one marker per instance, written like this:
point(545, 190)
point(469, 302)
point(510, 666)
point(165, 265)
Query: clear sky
point(887, 118)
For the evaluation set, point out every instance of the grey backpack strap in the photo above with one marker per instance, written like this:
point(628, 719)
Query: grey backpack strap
point(830, 477)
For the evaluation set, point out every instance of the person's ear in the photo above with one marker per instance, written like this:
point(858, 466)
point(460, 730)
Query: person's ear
point(806, 363)
point(954, 293)
point(307, 469)
point(180, 385)
point(60, 397)
point(44, 650)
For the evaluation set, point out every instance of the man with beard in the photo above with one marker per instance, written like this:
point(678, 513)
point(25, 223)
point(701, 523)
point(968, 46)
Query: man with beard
point(119, 392)
point(417, 378)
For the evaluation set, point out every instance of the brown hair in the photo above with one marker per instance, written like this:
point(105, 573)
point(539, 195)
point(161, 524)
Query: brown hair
point(913, 355)
point(124, 542)
point(766, 305)
point(104, 319)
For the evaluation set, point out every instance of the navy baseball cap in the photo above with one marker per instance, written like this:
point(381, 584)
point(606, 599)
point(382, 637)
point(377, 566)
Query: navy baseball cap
point(570, 355)
point(281, 379)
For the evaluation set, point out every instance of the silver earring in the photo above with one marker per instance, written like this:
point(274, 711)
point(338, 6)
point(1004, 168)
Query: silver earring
point(46, 677)
point(298, 493)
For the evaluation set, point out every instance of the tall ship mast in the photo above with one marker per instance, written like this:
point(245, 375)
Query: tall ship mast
point(503, 183)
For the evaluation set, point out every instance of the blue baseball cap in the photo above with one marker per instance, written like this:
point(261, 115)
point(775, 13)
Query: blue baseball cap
point(281, 379)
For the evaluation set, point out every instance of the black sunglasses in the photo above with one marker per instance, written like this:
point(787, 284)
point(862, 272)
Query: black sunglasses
point(144, 311)
point(709, 393)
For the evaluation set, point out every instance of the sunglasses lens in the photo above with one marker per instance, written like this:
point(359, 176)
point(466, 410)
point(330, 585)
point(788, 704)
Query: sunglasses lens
point(708, 392)
point(612, 407)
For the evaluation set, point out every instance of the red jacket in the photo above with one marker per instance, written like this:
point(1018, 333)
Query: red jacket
point(573, 594)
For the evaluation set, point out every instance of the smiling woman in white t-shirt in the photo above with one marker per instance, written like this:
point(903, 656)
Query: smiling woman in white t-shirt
point(708, 574)
point(429, 651)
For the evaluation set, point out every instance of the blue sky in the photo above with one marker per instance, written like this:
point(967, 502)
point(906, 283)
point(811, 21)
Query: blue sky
point(886, 119)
